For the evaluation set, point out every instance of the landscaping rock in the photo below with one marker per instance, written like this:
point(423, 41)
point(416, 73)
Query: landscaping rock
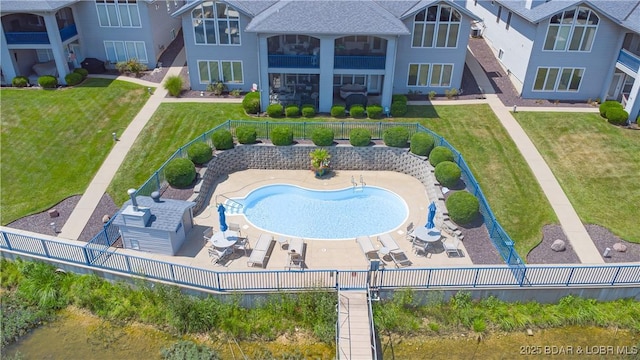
point(558, 245)
point(620, 247)
point(105, 219)
point(53, 213)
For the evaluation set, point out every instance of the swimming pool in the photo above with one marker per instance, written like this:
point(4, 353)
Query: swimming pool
point(324, 214)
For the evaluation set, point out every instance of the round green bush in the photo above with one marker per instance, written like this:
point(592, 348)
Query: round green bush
point(337, 111)
point(173, 85)
point(20, 81)
point(609, 104)
point(357, 111)
point(360, 137)
point(617, 116)
point(397, 136)
point(48, 81)
point(463, 207)
point(401, 98)
point(448, 173)
point(308, 111)
point(73, 79)
point(251, 103)
point(398, 109)
point(322, 136)
point(274, 110)
point(222, 140)
point(246, 134)
point(180, 172)
point(421, 143)
point(282, 136)
point(83, 72)
point(440, 154)
point(199, 153)
point(374, 112)
point(292, 111)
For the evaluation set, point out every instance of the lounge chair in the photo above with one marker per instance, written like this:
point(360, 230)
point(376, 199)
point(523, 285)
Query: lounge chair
point(295, 258)
point(397, 255)
point(260, 251)
point(452, 248)
point(367, 248)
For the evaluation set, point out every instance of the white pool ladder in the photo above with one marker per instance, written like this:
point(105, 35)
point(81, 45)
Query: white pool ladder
point(355, 184)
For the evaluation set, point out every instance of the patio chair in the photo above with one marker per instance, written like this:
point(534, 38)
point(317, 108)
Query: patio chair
point(395, 253)
point(242, 244)
point(234, 227)
point(295, 261)
point(206, 236)
point(452, 248)
point(410, 235)
point(419, 246)
point(217, 255)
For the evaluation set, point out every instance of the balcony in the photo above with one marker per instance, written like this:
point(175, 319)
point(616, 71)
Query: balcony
point(359, 62)
point(294, 61)
point(32, 38)
point(629, 60)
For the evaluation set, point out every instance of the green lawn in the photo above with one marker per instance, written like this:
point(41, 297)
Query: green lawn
point(53, 142)
point(597, 165)
point(506, 180)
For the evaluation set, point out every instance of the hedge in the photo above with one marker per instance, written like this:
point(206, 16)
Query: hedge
point(448, 173)
point(73, 79)
point(282, 136)
point(397, 136)
point(360, 137)
point(20, 81)
point(617, 116)
point(308, 111)
point(440, 154)
point(275, 110)
point(357, 111)
point(337, 111)
point(222, 140)
point(199, 153)
point(292, 111)
point(398, 109)
point(463, 207)
point(609, 104)
point(399, 98)
point(180, 172)
point(374, 112)
point(83, 72)
point(251, 103)
point(246, 134)
point(422, 143)
point(48, 81)
point(322, 136)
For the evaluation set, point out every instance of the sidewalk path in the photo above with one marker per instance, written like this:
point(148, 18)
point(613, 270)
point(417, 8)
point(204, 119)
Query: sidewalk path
point(98, 186)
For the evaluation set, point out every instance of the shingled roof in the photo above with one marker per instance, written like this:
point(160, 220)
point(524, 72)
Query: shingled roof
point(166, 214)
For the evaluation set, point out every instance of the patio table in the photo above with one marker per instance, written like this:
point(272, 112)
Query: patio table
point(224, 239)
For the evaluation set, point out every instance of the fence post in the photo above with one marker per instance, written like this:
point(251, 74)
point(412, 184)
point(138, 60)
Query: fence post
point(379, 129)
point(126, 258)
point(157, 180)
point(475, 279)
point(267, 128)
point(524, 275)
point(615, 277)
point(86, 255)
point(304, 130)
point(173, 276)
point(570, 276)
point(509, 244)
point(6, 239)
point(342, 131)
point(44, 246)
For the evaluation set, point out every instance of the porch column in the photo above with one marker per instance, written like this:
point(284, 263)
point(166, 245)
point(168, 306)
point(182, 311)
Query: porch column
point(326, 74)
point(56, 46)
point(263, 69)
point(633, 102)
point(389, 70)
point(7, 61)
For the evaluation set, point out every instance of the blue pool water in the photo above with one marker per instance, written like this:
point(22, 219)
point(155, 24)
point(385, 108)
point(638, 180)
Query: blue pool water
point(312, 214)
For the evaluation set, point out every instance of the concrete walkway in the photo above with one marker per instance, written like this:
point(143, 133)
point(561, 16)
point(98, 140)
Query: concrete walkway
point(98, 186)
point(569, 220)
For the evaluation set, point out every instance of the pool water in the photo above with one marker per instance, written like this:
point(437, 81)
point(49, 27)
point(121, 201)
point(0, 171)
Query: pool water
point(319, 214)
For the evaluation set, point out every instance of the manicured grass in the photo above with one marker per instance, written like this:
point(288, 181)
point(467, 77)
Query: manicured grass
point(505, 178)
point(54, 141)
point(597, 165)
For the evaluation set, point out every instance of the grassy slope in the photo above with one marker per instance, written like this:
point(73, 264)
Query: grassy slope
point(53, 142)
point(597, 165)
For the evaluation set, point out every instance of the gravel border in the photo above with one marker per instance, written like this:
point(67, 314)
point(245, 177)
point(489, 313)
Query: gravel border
point(542, 254)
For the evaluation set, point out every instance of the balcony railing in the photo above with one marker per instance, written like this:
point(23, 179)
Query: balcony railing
point(359, 62)
point(629, 60)
point(15, 38)
point(294, 61)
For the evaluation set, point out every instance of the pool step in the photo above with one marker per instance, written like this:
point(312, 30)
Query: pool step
point(232, 207)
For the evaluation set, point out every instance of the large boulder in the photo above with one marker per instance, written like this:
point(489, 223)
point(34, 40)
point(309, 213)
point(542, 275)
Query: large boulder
point(558, 245)
point(619, 247)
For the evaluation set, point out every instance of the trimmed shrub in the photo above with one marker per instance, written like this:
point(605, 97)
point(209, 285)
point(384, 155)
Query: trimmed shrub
point(448, 173)
point(322, 136)
point(617, 116)
point(374, 112)
point(20, 81)
point(397, 136)
point(48, 81)
point(292, 111)
point(222, 140)
point(173, 85)
point(308, 111)
point(274, 110)
point(337, 111)
point(199, 153)
point(463, 207)
point(399, 98)
point(422, 143)
point(357, 111)
point(360, 137)
point(180, 172)
point(398, 109)
point(440, 154)
point(609, 104)
point(73, 79)
point(83, 72)
point(251, 103)
point(131, 66)
point(246, 134)
point(282, 136)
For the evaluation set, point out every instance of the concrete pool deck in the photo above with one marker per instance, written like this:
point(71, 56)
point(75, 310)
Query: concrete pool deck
point(319, 254)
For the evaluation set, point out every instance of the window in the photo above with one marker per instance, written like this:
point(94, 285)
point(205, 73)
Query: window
point(125, 50)
point(347, 79)
point(508, 23)
point(430, 75)
point(44, 55)
point(558, 79)
point(499, 13)
point(216, 23)
point(118, 13)
point(436, 26)
point(572, 30)
point(224, 71)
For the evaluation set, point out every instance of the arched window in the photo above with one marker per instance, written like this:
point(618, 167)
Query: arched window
point(436, 26)
point(216, 23)
point(572, 30)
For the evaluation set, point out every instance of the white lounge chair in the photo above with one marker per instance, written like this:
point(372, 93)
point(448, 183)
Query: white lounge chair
point(452, 248)
point(367, 248)
point(260, 251)
point(295, 258)
point(397, 255)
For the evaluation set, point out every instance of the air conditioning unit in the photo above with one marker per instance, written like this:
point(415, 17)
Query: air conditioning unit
point(476, 32)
